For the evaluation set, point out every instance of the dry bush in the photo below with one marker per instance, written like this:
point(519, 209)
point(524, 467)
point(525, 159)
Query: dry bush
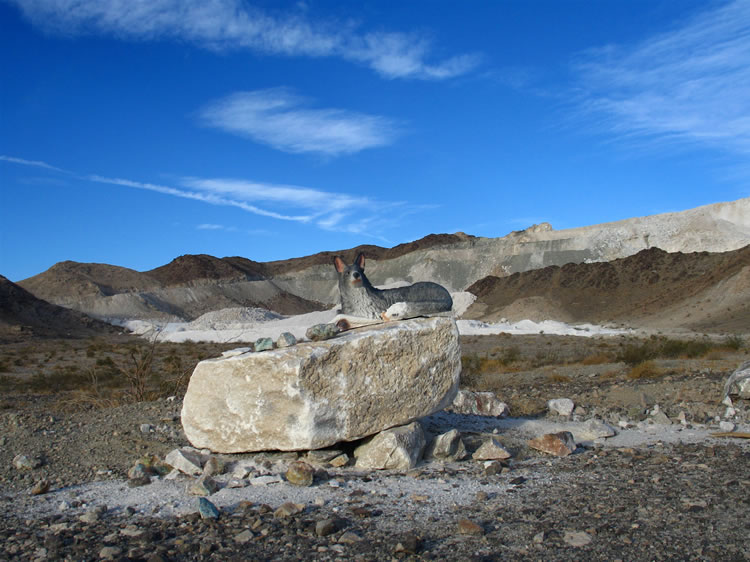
point(597, 359)
point(556, 377)
point(645, 370)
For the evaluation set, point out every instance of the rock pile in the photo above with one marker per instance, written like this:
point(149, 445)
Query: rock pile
point(316, 394)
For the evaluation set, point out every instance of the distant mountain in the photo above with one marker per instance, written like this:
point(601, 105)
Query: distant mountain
point(23, 313)
point(191, 285)
point(697, 291)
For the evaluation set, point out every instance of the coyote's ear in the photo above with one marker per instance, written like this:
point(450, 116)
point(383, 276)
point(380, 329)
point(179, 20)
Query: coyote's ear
point(340, 265)
point(360, 261)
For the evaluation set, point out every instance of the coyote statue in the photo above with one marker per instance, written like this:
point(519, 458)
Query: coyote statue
point(359, 298)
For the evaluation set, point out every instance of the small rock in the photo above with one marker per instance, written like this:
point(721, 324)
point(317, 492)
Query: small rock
point(300, 473)
point(263, 344)
point(288, 509)
point(447, 447)
point(214, 466)
point(727, 426)
point(265, 480)
point(493, 468)
point(397, 448)
point(325, 527)
point(561, 406)
point(595, 429)
point(468, 527)
point(244, 536)
point(321, 332)
point(23, 462)
point(203, 486)
point(479, 404)
point(110, 553)
point(559, 444)
point(93, 515)
point(286, 339)
point(132, 531)
point(491, 450)
point(207, 510)
point(340, 461)
point(139, 481)
point(576, 538)
point(410, 544)
point(40, 487)
point(350, 537)
point(322, 456)
point(146, 428)
point(185, 460)
point(661, 418)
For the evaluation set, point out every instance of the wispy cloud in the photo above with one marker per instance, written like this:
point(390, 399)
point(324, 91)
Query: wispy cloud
point(233, 24)
point(687, 85)
point(34, 163)
point(280, 119)
point(325, 209)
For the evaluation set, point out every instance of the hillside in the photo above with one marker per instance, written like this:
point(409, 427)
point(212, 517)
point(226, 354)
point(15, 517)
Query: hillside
point(698, 291)
point(23, 313)
point(191, 285)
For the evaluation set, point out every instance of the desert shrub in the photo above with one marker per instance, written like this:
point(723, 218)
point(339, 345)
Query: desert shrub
point(556, 377)
point(597, 359)
point(734, 342)
point(644, 370)
point(634, 354)
point(681, 348)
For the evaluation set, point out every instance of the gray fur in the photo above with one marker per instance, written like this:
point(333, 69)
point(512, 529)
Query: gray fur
point(360, 298)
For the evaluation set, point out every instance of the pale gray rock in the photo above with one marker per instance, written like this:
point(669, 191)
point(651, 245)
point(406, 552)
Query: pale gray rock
point(265, 480)
point(24, 462)
point(316, 394)
point(594, 429)
point(491, 450)
point(398, 448)
point(738, 382)
point(561, 406)
point(478, 404)
point(204, 486)
point(661, 418)
point(577, 538)
point(446, 447)
point(186, 461)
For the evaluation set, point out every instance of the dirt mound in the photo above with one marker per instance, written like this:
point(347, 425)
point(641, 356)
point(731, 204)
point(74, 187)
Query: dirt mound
point(647, 289)
point(21, 313)
point(372, 252)
point(191, 269)
point(73, 279)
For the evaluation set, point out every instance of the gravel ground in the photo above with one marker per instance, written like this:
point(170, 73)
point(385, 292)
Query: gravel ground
point(653, 492)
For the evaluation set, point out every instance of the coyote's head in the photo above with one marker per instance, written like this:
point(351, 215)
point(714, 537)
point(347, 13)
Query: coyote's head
point(351, 275)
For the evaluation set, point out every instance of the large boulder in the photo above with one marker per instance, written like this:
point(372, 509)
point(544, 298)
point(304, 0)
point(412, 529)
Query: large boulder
point(316, 394)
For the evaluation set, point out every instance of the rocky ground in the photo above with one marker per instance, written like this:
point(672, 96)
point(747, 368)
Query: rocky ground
point(658, 490)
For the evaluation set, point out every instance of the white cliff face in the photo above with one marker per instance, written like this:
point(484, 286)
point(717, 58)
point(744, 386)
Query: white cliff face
point(316, 394)
point(720, 227)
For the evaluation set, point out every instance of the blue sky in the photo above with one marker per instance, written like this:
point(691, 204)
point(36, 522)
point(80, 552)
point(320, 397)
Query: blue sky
point(134, 132)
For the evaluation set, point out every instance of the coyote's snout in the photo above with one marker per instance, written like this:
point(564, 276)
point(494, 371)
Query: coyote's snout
point(360, 298)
